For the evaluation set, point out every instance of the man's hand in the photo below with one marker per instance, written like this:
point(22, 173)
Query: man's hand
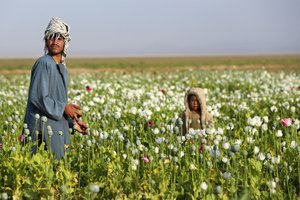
point(80, 126)
point(72, 111)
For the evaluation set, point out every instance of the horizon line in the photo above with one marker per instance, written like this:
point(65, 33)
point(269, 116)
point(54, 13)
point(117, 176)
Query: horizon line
point(162, 55)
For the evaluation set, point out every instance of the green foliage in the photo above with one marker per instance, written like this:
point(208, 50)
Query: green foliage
point(244, 157)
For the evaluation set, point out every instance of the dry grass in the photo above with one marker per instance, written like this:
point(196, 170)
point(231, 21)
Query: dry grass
point(163, 64)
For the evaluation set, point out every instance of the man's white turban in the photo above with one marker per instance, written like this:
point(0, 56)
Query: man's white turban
point(57, 28)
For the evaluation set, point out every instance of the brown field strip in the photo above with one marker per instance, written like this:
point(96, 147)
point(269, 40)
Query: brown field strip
point(162, 64)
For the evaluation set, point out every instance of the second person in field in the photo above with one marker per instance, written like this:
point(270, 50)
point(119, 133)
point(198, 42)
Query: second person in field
point(195, 116)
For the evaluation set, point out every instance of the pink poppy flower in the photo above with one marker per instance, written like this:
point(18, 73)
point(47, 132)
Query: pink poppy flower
point(286, 121)
point(296, 87)
point(89, 89)
point(150, 123)
point(21, 138)
point(201, 149)
point(146, 159)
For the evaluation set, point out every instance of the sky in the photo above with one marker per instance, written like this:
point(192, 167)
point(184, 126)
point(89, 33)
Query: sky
point(153, 27)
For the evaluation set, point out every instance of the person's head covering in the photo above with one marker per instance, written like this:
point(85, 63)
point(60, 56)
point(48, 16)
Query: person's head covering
point(57, 28)
point(204, 115)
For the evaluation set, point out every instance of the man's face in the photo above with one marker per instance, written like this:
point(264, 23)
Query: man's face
point(55, 45)
point(193, 103)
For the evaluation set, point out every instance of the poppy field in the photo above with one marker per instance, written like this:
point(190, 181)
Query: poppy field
point(135, 149)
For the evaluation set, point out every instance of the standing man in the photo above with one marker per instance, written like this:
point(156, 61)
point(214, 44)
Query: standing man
point(49, 117)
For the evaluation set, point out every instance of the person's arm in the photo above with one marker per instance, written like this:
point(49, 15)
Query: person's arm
point(81, 127)
point(72, 111)
point(77, 125)
point(52, 108)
